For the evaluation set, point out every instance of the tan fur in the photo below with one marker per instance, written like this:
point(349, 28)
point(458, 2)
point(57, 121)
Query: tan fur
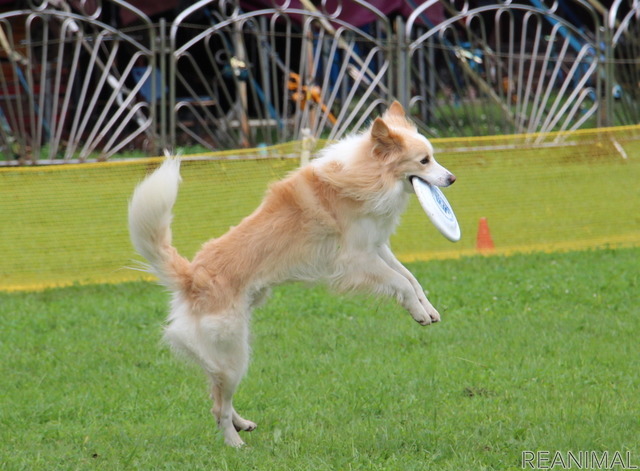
point(328, 221)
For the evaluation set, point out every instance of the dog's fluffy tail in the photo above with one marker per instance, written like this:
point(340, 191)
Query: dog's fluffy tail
point(150, 215)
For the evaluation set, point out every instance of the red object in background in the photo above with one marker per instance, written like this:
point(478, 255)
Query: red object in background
point(484, 242)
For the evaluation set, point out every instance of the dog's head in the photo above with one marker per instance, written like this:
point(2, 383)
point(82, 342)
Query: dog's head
point(404, 151)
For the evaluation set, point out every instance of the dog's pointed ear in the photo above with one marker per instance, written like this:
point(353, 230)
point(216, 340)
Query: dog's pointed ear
point(396, 109)
point(384, 139)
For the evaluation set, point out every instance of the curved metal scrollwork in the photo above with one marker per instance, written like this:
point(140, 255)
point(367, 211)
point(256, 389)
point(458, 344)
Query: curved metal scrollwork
point(86, 79)
point(504, 69)
point(273, 75)
point(72, 87)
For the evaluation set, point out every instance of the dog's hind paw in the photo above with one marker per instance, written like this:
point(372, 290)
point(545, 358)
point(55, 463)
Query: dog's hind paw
point(235, 443)
point(244, 425)
point(231, 438)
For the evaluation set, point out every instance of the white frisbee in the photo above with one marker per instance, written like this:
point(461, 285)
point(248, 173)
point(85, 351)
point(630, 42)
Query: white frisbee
point(437, 208)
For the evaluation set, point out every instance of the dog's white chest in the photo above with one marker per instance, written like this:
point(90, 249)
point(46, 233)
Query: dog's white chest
point(369, 232)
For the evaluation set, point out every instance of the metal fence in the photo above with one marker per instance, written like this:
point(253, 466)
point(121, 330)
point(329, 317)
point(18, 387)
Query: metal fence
point(85, 80)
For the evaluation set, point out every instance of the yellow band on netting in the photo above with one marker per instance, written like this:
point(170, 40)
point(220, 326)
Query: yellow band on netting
point(67, 224)
point(547, 136)
point(275, 151)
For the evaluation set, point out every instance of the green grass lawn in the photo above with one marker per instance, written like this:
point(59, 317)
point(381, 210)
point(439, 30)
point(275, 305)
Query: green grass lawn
point(535, 352)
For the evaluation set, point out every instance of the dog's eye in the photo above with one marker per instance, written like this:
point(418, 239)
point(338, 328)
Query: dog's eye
point(425, 161)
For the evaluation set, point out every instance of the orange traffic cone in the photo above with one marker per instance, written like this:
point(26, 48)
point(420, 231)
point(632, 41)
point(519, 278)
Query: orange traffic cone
point(484, 242)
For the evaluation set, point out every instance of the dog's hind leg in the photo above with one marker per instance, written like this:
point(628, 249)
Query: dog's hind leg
point(222, 393)
point(228, 349)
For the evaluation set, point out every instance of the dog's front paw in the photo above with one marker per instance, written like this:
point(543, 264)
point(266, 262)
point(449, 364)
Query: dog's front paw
point(433, 314)
point(431, 311)
point(421, 316)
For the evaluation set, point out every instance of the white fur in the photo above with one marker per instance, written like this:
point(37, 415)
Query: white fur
point(150, 215)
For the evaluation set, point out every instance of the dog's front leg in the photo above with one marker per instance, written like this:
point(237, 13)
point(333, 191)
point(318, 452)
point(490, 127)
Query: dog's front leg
point(377, 277)
point(390, 259)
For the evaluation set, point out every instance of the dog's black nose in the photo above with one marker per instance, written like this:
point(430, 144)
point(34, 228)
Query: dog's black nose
point(452, 178)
